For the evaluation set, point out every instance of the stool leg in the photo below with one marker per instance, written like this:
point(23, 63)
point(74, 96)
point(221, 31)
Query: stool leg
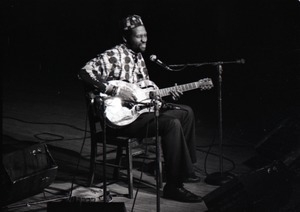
point(129, 170)
point(92, 161)
point(118, 164)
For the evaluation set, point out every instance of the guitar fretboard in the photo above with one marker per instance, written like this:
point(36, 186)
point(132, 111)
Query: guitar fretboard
point(185, 87)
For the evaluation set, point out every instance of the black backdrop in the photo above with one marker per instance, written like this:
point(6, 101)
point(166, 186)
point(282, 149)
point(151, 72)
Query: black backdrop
point(48, 39)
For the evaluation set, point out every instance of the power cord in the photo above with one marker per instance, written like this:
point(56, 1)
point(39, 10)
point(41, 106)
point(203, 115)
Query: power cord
point(44, 123)
point(208, 152)
point(79, 158)
point(42, 136)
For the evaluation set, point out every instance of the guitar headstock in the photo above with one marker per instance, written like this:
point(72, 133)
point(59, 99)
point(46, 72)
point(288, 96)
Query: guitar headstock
point(205, 84)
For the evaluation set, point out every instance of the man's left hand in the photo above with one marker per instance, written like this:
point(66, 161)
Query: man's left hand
point(176, 93)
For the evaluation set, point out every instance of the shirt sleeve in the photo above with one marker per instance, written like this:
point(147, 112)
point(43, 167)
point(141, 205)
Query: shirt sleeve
point(93, 74)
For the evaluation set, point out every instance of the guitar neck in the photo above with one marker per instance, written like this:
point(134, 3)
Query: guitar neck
point(185, 87)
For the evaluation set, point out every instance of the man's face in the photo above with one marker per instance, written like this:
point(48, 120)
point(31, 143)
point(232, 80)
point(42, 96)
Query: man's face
point(137, 40)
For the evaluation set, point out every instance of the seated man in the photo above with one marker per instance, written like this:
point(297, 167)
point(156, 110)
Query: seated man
point(176, 124)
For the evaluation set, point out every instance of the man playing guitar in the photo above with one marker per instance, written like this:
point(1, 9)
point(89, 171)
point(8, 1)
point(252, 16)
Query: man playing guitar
point(120, 75)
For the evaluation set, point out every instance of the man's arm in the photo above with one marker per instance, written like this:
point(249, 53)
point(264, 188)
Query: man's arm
point(92, 74)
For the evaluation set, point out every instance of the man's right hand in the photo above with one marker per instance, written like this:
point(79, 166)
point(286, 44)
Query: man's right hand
point(126, 94)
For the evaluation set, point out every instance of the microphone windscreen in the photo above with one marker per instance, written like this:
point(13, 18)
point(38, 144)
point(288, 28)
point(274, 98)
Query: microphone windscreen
point(153, 57)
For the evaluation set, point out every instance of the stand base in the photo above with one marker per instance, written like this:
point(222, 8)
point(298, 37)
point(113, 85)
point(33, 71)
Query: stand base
point(219, 178)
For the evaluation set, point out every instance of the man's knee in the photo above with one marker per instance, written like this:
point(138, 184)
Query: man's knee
point(189, 113)
point(175, 123)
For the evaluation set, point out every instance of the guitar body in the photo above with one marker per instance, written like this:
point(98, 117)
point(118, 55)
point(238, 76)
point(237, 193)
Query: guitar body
point(120, 113)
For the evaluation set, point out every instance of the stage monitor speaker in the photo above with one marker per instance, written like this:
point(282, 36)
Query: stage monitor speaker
point(86, 206)
point(26, 172)
point(265, 189)
point(280, 141)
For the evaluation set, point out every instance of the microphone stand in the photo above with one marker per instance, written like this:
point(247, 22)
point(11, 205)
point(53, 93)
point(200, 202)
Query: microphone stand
point(221, 177)
point(105, 199)
point(156, 113)
point(155, 103)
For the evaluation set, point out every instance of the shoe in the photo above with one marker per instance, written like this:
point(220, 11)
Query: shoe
point(192, 179)
point(180, 194)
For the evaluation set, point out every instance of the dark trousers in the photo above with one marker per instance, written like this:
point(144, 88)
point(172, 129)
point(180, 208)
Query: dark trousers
point(177, 130)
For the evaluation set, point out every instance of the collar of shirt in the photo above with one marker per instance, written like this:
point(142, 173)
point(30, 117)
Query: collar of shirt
point(135, 55)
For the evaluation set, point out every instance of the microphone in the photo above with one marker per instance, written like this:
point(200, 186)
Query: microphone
point(241, 61)
point(154, 59)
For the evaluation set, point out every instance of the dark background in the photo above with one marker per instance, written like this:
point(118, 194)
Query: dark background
point(48, 41)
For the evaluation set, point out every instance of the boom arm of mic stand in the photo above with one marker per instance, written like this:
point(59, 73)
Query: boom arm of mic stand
point(180, 67)
point(183, 66)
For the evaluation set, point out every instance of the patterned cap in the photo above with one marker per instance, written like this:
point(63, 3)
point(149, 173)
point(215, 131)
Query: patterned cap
point(131, 22)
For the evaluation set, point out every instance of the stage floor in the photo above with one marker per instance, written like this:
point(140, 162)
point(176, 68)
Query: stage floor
point(55, 114)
